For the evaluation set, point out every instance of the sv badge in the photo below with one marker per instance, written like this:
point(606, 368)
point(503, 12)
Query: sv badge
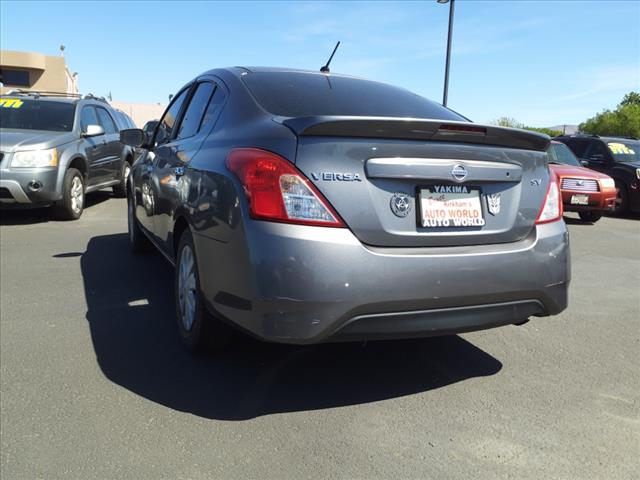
point(493, 203)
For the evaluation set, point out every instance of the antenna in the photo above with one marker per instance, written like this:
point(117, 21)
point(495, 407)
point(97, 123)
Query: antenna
point(325, 69)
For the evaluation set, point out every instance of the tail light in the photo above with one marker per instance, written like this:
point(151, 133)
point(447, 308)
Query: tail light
point(552, 207)
point(278, 191)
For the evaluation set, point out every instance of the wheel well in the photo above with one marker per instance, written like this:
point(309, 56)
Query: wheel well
point(79, 164)
point(178, 228)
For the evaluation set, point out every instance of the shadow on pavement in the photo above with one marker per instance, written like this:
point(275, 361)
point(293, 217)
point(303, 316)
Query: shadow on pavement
point(131, 317)
point(10, 215)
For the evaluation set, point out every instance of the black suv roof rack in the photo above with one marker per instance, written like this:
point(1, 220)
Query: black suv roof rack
point(626, 137)
point(91, 96)
point(42, 93)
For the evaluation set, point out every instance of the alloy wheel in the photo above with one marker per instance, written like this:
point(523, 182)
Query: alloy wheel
point(187, 287)
point(77, 194)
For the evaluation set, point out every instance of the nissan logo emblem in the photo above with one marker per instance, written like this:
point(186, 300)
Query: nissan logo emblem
point(458, 172)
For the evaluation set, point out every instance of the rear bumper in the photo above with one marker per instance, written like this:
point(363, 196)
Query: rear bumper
point(294, 284)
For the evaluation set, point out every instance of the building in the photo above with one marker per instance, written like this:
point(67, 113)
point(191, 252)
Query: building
point(140, 113)
point(45, 73)
point(35, 71)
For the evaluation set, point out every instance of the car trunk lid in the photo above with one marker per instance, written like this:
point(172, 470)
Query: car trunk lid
point(388, 178)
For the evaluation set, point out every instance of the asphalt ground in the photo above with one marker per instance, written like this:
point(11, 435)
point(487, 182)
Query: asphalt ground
point(94, 382)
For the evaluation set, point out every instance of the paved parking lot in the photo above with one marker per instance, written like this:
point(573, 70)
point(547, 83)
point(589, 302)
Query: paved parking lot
point(94, 384)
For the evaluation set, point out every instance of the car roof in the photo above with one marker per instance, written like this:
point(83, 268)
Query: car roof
point(239, 71)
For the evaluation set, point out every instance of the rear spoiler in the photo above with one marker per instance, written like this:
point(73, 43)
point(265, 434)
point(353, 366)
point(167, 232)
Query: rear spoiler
point(416, 129)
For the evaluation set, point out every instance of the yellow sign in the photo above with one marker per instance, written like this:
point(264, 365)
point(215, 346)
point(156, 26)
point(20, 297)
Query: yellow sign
point(10, 102)
point(620, 149)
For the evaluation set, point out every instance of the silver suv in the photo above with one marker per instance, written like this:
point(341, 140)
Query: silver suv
point(55, 148)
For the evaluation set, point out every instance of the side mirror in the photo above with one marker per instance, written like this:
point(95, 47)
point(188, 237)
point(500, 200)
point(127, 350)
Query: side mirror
point(133, 137)
point(93, 131)
point(584, 163)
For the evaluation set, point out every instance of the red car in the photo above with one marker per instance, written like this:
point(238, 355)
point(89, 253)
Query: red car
point(585, 191)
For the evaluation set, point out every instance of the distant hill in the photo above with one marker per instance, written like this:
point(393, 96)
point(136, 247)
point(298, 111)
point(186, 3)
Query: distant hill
point(567, 129)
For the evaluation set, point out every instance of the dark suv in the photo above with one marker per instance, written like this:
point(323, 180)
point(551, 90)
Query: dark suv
point(54, 148)
point(618, 157)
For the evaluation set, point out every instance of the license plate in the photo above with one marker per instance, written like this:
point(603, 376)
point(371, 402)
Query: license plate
point(450, 206)
point(579, 199)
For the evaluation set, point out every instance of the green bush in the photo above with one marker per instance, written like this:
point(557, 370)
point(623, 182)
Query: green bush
point(513, 123)
point(624, 121)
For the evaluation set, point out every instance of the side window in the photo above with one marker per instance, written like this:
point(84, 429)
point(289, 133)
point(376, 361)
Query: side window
point(167, 124)
point(193, 114)
point(106, 121)
point(578, 147)
point(597, 151)
point(214, 107)
point(88, 117)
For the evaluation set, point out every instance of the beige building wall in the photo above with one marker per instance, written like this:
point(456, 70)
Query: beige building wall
point(46, 73)
point(140, 113)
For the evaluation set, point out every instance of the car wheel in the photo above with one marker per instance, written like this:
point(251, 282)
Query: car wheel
point(198, 328)
point(138, 241)
point(120, 190)
point(592, 217)
point(622, 199)
point(71, 205)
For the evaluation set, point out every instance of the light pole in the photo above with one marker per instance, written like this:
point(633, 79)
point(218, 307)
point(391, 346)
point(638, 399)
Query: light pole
point(446, 68)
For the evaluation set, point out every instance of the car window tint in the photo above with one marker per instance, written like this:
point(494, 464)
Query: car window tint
point(578, 146)
point(106, 121)
point(597, 151)
point(88, 117)
point(297, 94)
point(214, 107)
point(193, 114)
point(168, 123)
point(28, 114)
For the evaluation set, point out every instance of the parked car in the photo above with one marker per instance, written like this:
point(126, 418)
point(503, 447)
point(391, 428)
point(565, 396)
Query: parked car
point(618, 157)
point(55, 148)
point(123, 120)
point(585, 191)
point(305, 207)
point(150, 126)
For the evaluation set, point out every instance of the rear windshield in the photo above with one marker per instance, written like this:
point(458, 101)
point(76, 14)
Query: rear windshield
point(293, 94)
point(560, 153)
point(625, 150)
point(26, 114)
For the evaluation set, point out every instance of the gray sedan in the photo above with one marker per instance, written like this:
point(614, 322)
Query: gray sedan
point(306, 207)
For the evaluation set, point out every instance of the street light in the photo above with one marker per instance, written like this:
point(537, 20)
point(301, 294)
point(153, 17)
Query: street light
point(446, 69)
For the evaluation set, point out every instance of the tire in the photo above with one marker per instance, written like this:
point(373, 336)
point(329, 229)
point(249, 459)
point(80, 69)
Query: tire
point(120, 190)
point(199, 330)
point(71, 205)
point(622, 199)
point(591, 216)
point(138, 241)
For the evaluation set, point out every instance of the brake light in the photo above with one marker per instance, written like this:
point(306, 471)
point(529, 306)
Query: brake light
point(470, 129)
point(277, 191)
point(552, 207)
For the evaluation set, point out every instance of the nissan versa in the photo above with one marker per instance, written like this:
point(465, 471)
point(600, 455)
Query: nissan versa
point(306, 207)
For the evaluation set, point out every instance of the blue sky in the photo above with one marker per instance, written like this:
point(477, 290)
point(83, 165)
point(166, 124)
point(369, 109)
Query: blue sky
point(542, 62)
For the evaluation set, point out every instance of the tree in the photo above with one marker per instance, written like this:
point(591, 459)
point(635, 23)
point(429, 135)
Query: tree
point(624, 121)
point(631, 98)
point(507, 122)
point(513, 123)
